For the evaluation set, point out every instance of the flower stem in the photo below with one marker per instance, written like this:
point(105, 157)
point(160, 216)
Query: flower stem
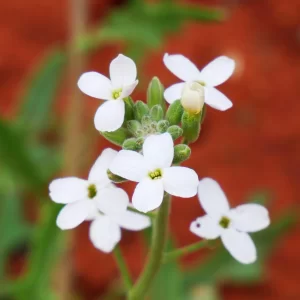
point(155, 256)
point(122, 267)
point(173, 255)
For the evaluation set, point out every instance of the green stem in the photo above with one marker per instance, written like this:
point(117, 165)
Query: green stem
point(154, 261)
point(122, 267)
point(173, 255)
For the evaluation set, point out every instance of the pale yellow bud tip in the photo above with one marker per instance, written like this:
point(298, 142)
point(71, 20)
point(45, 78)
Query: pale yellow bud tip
point(192, 98)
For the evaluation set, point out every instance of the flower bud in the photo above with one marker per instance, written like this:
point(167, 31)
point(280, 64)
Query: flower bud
point(129, 106)
point(135, 128)
point(116, 137)
point(162, 126)
point(174, 113)
point(140, 109)
point(156, 113)
point(115, 178)
point(181, 153)
point(155, 94)
point(192, 98)
point(131, 144)
point(191, 126)
point(146, 120)
point(175, 132)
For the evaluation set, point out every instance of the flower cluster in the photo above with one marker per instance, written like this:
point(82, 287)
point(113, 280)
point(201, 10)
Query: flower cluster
point(151, 155)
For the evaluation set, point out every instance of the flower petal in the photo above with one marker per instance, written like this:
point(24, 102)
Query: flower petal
point(128, 89)
point(212, 197)
point(206, 227)
point(180, 181)
point(112, 201)
point(216, 99)
point(240, 245)
point(250, 217)
point(110, 115)
point(104, 234)
point(133, 221)
point(73, 214)
point(122, 71)
point(174, 92)
point(148, 195)
point(181, 67)
point(95, 85)
point(98, 171)
point(130, 165)
point(68, 189)
point(218, 71)
point(158, 150)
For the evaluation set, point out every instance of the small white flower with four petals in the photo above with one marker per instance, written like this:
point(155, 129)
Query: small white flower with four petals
point(122, 82)
point(154, 173)
point(232, 225)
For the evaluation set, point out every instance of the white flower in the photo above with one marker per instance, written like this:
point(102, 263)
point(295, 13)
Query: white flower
point(154, 173)
point(83, 198)
point(105, 231)
point(214, 74)
point(232, 225)
point(192, 98)
point(122, 82)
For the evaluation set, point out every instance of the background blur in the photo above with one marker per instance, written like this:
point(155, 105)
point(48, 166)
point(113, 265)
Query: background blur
point(46, 130)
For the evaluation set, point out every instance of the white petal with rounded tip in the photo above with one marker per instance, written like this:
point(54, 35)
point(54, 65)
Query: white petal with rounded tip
point(95, 85)
point(133, 221)
point(104, 234)
point(180, 181)
point(122, 71)
point(148, 195)
point(73, 214)
point(128, 89)
point(110, 115)
point(216, 99)
point(240, 245)
point(181, 67)
point(112, 201)
point(250, 217)
point(212, 197)
point(206, 227)
point(218, 71)
point(98, 172)
point(68, 190)
point(158, 150)
point(174, 92)
point(130, 165)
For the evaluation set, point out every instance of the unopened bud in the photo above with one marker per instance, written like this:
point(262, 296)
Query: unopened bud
point(140, 109)
point(174, 113)
point(175, 132)
point(116, 137)
point(146, 120)
point(162, 126)
point(115, 178)
point(135, 128)
point(131, 144)
point(129, 107)
point(192, 98)
point(181, 153)
point(155, 94)
point(156, 113)
point(191, 126)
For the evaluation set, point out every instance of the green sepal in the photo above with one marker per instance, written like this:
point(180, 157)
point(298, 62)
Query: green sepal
point(191, 126)
point(162, 126)
point(174, 113)
point(175, 132)
point(155, 94)
point(116, 137)
point(140, 109)
point(203, 114)
point(131, 144)
point(115, 178)
point(182, 152)
point(129, 108)
point(156, 113)
point(135, 128)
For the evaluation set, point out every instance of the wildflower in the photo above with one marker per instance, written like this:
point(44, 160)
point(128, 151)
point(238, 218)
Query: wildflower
point(154, 174)
point(214, 74)
point(231, 225)
point(122, 82)
point(83, 198)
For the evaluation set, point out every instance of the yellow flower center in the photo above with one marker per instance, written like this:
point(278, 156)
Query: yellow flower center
point(116, 93)
point(92, 191)
point(156, 174)
point(224, 222)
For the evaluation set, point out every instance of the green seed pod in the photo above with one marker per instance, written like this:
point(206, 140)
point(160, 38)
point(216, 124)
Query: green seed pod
point(191, 126)
point(181, 153)
point(146, 120)
point(115, 178)
point(140, 109)
point(116, 137)
point(155, 94)
point(174, 113)
point(135, 128)
point(162, 126)
point(129, 108)
point(156, 113)
point(131, 144)
point(175, 132)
